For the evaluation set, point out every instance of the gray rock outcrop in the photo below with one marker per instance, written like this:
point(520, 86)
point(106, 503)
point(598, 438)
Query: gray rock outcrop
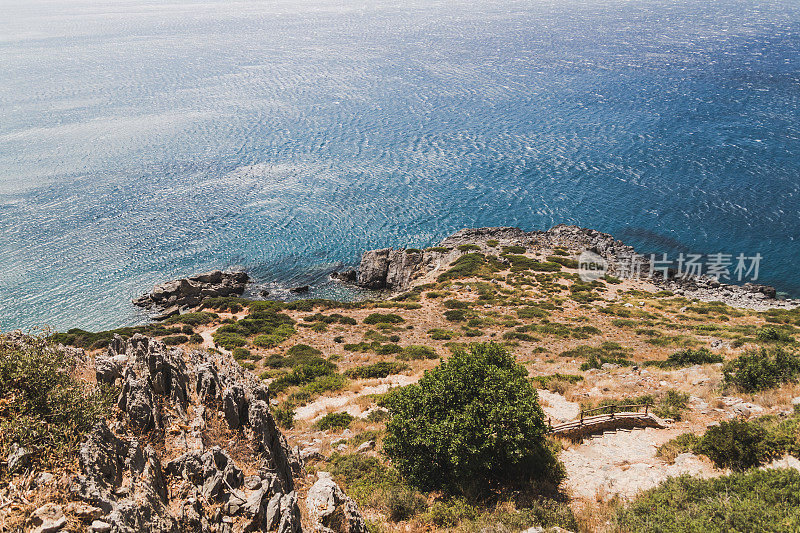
point(166, 396)
point(331, 510)
point(175, 295)
point(390, 269)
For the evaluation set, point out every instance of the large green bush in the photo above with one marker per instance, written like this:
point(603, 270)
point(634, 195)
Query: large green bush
point(767, 501)
point(735, 444)
point(762, 369)
point(43, 408)
point(472, 425)
point(740, 444)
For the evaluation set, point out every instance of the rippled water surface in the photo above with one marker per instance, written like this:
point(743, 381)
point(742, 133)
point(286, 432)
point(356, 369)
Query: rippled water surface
point(144, 140)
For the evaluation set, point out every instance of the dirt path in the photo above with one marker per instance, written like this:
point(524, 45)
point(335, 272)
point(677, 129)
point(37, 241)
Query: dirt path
point(624, 463)
point(557, 407)
point(342, 402)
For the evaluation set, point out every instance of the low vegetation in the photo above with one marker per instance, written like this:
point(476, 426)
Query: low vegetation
point(757, 500)
point(762, 369)
point(43, 408)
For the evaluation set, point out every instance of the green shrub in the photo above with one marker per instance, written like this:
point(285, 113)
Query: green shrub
point(389, 318)
point(762, 369)
point(492, 242)
point(515, 335)
point(468, 265)
point(174, 340)
point(373, 484)
point(734, 444)
point(230, 304)
point(543, 381)
point(284, 415)
point(402, 502)
point(196, 338)
point(323, 384)
point(378, 415)
point(442, 334)
point(47, 410)
point(455, 315)
point(303, 374)
point(415, 351)
point(451, 512)
point(455, 304)
point(387, 349)
point(241, 353)
point(334, 421)
point(758, 500)
point(472, 425)
point(531, 312)
point(192, 319)
point(688, 357)
point(268, 341)
point(671, 404)
point(376, 370)
point(513, 249)
point(303, 351)
point(563, 261)
point(770, 334)
point(683, 443)
point(520, 263)
point(468, 247)
point(228, 340)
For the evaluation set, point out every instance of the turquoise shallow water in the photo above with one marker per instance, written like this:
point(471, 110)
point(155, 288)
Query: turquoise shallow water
point(141, 141)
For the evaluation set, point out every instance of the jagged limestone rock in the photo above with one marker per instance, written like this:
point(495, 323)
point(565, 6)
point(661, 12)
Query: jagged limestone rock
point(189, 292)
point(331, 510)
point(373, 268)
point(125, 479)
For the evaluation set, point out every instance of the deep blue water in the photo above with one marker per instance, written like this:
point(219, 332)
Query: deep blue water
point(141, 140)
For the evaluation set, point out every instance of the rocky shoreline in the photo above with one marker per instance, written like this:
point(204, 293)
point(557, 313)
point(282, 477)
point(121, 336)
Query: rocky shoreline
point(180, 295)
point(396, 270)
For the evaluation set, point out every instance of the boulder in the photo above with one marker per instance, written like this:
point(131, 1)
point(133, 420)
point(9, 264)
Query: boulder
point(364, 447)
point(48, 518)
point(98, 526)
point(330, 510)
point(373, 269)
point(348, 275)
point(18, 458)
point(389, 269)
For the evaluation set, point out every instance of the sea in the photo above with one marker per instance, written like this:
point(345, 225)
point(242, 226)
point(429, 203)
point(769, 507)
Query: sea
point(145, 140)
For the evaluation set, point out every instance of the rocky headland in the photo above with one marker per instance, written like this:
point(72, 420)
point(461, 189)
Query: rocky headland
point(397, 270)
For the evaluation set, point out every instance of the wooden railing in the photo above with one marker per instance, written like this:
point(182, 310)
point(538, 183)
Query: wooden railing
point(610, 410)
